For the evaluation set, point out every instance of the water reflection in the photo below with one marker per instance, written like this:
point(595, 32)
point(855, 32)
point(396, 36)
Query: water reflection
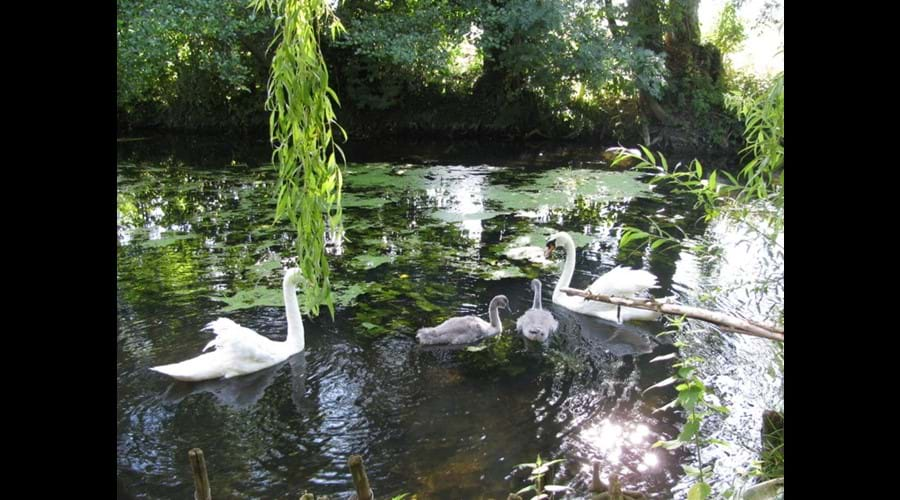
point(245, 391)
point(618, 339)
point(610, 440)
point(740, 371)
point(444, 424)
point(459, 194)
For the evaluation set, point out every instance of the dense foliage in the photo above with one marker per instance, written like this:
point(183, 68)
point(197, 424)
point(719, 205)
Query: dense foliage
point(755, 199)
point(511, 68)
point(191, 63)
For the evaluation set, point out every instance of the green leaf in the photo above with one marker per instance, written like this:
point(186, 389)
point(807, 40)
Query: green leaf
point(690, 429)
point(649, 155)
point(659, 242)
point(526, 489)
point(668, 381)
point(669, 445)
point(633, 234)
point(690, 470)
point(667, 406)
point(546, 466)
point(721, 409)
point(699, 491)
point(688, 397)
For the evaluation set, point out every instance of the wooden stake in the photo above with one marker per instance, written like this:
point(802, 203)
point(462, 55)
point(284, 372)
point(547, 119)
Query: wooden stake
point(597, 485)
point(201, 480)
point(360, 480)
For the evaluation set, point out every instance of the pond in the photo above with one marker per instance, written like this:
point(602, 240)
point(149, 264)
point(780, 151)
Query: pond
point(427, 236)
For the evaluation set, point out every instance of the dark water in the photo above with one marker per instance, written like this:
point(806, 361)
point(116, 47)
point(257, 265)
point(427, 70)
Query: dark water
point(425, 239)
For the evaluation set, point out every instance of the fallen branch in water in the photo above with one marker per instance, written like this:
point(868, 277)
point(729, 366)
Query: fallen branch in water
point(729, 322)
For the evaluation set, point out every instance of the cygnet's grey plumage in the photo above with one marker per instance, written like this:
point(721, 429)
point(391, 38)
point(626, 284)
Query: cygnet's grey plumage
point(536, 324)
point(466, 329)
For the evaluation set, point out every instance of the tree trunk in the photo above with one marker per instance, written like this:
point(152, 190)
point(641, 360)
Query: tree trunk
point(685, 21)
point(644, 22)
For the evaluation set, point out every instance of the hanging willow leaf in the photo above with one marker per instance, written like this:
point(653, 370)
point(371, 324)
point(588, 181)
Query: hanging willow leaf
point(300, 128)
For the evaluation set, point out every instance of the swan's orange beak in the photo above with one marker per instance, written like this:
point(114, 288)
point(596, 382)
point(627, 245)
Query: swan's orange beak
point(551, 246)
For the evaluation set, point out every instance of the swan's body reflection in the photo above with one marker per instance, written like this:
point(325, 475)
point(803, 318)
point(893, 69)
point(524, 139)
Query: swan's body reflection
point(245, 391)
point(619, 339)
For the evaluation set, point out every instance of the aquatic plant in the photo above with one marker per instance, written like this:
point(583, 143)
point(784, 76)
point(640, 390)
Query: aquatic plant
point(539, 469)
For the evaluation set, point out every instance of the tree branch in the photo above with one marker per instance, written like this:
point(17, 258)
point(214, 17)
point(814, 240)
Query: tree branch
point(729, 322)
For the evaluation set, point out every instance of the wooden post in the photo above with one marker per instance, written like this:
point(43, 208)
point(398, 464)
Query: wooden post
point(201, 480)
point(615, 488)
point(360, 480)
point(597, 485)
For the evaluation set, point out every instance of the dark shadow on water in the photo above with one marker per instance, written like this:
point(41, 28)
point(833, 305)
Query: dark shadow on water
point(245, 391)
point(630, 338)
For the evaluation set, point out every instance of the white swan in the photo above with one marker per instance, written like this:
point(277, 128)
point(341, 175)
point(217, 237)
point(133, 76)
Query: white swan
point(466, 329)
point(621, 282)
point(239, 350)
point(536, 324)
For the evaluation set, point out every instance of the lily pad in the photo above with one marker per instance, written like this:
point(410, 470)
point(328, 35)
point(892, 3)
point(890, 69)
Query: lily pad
point(346, 295)
point(383, 175)
point(560, 188)
point(530, 247)
point(254, 297)
point(506, 272)
point(367, 261)
point(261, 296)
point(353, 200)
point(451, 216)
point(167, 240)
point(266, 268)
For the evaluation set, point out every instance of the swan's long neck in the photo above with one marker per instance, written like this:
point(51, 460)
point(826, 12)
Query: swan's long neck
point(495, 315)
point(569, 266)
point(537, 296)
point(295, 336)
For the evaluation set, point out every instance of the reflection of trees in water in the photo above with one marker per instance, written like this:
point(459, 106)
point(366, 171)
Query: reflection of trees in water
point(212, 151)
point(383, 397)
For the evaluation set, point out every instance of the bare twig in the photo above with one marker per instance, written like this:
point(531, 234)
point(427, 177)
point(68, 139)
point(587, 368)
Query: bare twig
point(732, 323)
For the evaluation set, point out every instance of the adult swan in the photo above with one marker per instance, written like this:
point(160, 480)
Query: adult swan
point(239, 350)
point(621, 282)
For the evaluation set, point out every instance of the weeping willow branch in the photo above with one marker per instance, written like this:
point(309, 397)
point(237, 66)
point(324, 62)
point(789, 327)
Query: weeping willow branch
point(729, 322)
point(300, 125)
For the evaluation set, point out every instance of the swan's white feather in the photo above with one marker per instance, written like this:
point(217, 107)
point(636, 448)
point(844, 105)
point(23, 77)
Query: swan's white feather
point(619, 282)
point(238, 350)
